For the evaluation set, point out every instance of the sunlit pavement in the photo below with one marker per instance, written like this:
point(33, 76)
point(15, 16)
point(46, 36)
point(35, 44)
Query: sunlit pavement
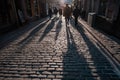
point(52, 51)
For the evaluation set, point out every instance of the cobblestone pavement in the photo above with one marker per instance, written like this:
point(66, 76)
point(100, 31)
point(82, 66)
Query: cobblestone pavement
point(110, 43)
point(52, 51)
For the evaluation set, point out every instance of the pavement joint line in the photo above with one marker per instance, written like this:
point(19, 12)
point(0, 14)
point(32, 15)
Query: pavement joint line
point(109, 56)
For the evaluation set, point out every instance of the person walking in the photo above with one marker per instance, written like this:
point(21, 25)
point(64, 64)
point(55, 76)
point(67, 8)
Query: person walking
point(76, 15)
point(50, 12)
point(60, 13)
point(55, 11)
point(67, 13)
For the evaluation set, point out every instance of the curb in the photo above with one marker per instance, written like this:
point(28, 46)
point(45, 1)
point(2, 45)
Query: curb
point(109, 56)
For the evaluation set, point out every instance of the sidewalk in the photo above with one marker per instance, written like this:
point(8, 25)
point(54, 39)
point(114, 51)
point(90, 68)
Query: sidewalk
point(110, 43)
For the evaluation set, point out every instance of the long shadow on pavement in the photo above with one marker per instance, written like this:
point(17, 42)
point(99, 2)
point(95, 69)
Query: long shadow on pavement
point(75, 66)
point(58, 29)
point(9, 38)
point(48, 29)
point(31, 35)
point(101, 67)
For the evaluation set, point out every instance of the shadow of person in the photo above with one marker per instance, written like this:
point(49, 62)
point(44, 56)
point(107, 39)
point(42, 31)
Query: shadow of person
point(58, 29)
point(75, 66)
point(48, 29)
point(97, 61)
point(31, 35)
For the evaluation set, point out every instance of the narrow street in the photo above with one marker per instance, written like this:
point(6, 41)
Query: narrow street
point(48, 50)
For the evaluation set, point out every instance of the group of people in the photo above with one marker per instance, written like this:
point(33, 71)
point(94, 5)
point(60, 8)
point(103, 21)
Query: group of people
point(55, 11)
point(67, 13)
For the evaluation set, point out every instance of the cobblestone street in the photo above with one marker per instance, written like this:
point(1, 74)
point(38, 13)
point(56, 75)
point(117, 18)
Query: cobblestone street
point(51, 51)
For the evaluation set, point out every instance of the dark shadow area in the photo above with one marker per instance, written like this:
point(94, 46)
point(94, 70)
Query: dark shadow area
point(12, 36)
point(75, 66)
point(110, 36)
point(102, 66)
point(7, 28)
point(31, 35)
point(48, 28)
point(58, 29)
point(106, 28)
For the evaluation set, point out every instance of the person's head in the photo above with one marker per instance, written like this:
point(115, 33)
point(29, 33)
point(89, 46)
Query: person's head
point(76, 7)
point(66, 5)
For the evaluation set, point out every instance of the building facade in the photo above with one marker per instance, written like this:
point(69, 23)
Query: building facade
point(18, 12)
point(30, 9)
point(7, 12)
point(8, 15)
point(107, 13)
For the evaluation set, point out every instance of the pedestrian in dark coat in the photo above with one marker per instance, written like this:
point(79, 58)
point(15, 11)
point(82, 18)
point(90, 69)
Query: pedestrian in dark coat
point(76, 15)
point(67, 14)
point(60, 12)
point(55, 11)
point(50, 12)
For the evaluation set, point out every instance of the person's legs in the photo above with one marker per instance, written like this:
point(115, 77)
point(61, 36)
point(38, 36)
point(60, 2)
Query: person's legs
point(50, 16)
point(60, 16)
point(68, 19)
point(76, 21)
